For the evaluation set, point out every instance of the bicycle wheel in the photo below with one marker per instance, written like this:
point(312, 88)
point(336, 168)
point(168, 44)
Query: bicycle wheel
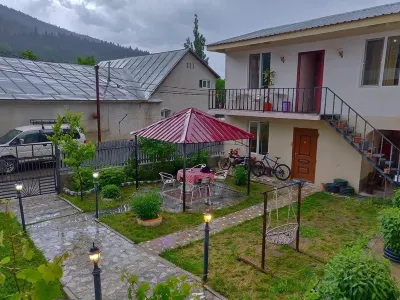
point(282, 172)
point(258, 168)
point(225, 163)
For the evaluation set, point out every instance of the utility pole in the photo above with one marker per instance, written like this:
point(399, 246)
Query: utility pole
point(98, 104)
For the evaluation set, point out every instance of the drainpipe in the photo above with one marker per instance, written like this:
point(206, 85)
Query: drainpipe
point(98, 104)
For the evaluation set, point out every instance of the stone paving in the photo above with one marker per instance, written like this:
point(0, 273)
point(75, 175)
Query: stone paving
point(75, 232)
point(186, 236)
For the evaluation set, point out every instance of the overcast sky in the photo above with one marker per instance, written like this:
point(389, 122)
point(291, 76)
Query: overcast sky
point(161, 25)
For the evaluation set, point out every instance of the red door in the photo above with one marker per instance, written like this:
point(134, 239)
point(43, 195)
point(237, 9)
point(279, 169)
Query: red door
point(318, 80)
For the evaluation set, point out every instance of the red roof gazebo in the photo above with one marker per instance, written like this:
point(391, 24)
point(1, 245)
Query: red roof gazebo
point(192, 126)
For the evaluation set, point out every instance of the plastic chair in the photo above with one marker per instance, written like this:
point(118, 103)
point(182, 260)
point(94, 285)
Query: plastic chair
point(201, 166)
point(221, 175)
point(205, 183)
point(167, 179)
point(189, 188)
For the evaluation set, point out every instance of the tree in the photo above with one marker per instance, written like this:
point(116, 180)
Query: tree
point(87, 61)
point(198, 43)
point(74, 153)
point(28, 54)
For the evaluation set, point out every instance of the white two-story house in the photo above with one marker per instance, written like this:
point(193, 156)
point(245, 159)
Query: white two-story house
point(323, 95)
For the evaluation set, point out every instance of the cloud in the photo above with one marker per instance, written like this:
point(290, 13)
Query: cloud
point(161, 25)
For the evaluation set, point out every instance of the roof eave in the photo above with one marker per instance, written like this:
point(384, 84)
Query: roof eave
point(382, 21)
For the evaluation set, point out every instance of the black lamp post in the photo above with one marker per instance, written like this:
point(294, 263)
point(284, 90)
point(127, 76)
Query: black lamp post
point(207, 220)
point(18, 187)
point(94, 256)
point(95, 177)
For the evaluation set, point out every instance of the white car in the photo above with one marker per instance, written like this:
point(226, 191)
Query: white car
point(27, 143)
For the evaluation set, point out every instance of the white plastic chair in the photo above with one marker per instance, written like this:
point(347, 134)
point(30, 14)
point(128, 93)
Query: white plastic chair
point(201, 166)
point(205, 183)
point(167, 179)
point(221, 175)
point(189, 188)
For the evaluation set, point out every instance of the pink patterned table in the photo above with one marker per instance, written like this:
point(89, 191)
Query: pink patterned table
point(193, 175)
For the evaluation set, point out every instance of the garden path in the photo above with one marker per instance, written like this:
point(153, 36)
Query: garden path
point(186, 236)
point(57, 228)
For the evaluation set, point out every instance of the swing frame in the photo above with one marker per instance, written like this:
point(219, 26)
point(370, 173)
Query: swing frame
point(261, 268)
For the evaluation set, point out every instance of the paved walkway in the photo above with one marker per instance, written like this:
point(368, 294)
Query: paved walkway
point(186, 236)
point(58, 228)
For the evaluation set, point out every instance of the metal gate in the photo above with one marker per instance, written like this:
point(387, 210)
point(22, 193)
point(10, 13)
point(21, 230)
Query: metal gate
point(34, 165)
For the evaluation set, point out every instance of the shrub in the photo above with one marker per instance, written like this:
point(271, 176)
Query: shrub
point(390, 227)
point(355, 274)
point(240, 175)
point(114, 176)
point(86, 177)
point(396, 198)
point(146, 206)
point(111, 191)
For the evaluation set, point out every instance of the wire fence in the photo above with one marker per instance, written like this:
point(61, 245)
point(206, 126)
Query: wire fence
point(117, 153)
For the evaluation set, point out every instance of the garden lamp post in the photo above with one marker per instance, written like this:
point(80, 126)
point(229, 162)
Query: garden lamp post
point(207, 220)
point(94, 256)
point(18, 187)
point(95, 177)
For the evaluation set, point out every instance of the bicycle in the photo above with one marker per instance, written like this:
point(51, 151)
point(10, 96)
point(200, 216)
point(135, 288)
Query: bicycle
point(234, 159)
point(281, 171)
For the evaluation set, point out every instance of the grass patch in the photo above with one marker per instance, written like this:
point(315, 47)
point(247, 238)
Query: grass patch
point(10, 226)
point(88, 202)
point(126, 223)
point(328, 223)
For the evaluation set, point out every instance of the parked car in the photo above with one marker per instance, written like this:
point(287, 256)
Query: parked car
point(28, 143)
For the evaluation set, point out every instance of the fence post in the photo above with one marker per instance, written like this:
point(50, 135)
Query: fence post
point(58, 177)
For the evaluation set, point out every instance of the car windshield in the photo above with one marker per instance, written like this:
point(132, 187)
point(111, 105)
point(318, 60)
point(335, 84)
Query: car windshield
point(9, 136)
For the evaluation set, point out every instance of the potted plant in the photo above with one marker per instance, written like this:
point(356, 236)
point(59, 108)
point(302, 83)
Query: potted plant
point(357, 139)
point(110, 192)
point(146, 207)
point(390, 227)
point(341, 124)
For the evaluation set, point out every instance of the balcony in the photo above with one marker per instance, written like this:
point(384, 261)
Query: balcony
point(288, 103)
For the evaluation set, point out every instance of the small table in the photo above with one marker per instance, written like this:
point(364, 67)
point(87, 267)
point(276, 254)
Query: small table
point(194, 175)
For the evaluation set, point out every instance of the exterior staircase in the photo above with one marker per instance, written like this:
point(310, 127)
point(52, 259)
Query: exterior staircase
point(361, 135)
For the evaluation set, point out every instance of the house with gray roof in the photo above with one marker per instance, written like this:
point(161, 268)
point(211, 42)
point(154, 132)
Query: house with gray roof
point(134, 92)
point(322, 95)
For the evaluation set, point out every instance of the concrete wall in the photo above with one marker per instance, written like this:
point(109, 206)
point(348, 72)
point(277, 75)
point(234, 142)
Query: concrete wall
point(378, 104)
point(335, 158)
point(17, 113)
point(188, 78)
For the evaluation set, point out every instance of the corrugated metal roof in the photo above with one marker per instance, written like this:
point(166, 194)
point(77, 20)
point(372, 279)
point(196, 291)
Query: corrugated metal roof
point(35, 80)
point(149, 71)
point(376, 11)
point(191, 126)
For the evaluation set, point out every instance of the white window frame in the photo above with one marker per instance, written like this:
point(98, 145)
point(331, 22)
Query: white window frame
point(258, 135)
point(205, 84)
point(260, 67)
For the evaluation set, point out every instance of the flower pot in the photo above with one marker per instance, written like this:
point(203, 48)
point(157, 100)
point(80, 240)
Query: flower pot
point(391, 254)
point(150, 223)
point(219, 106)
point(386, 170)
point(267, 106)
point(357, 139)
point(341, 125)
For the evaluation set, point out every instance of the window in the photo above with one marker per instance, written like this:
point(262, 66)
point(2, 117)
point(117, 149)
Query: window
point(29, 137)
point(190, 65)
point(261, 132)
point(9, 136)
point(392, 62)
point(43, 135)
point(165, 113)
point(258, 64)
point(372, 62)
point(205, 84)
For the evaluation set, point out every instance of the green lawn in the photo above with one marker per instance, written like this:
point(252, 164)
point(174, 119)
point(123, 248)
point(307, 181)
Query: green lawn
point(328, 222)
point(88, 203)
point(10, 226)
point(126, 223)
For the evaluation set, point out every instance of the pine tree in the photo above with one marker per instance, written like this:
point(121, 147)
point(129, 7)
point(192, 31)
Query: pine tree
point(199, 42)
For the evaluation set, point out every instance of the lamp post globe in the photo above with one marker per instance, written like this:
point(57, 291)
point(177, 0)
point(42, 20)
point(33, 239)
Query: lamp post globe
point(19, 187)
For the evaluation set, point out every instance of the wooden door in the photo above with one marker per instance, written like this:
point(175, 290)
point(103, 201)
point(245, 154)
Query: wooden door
point(304, 157)
point(318, 80)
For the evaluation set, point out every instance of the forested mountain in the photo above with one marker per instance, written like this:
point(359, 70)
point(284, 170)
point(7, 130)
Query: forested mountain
point(19, 31)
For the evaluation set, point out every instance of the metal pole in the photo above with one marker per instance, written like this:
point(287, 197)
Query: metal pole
point(97, 282)
point(264, 231)
point(248, 169)
point(184, 178)
point(21, 209)
point(298, 217)
point(96, 200)
point(137, 162)
point(206, 243)
point(58, 177)
point(98, 104)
